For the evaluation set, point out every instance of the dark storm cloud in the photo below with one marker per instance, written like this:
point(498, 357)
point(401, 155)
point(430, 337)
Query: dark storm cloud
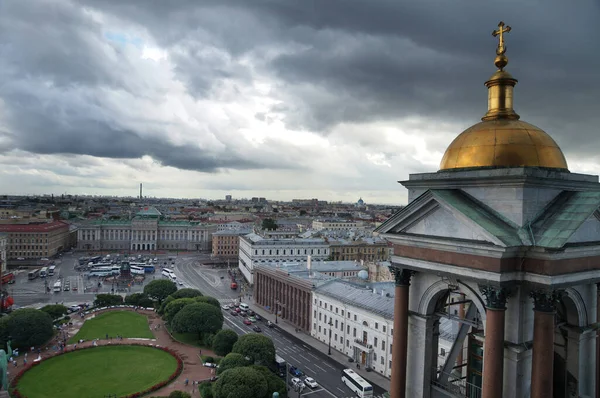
point(337, 61)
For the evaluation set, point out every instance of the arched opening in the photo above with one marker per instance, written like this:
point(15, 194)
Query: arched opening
point(567, 337)
point(457, 336)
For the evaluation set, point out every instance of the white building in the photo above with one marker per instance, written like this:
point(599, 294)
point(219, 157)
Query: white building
point(254, 249)
point(360, 320)
point(145, 232)
point(3, 246)
point(335, 225)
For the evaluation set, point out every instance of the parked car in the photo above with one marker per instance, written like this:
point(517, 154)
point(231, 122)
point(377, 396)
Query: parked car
point(309, 381)
point(209, 364)
point(243, 313)
point(226, 307)
point(247, 322)
point(234, 313)
point(270, 324)
point(74, 308)
point(257, 329)
point(251, 313)
point(297, 383)
point(295, 371)
point(237, 309)
point(258, 317)
point(252, 319)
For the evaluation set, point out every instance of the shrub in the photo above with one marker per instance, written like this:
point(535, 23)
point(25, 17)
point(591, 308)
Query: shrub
point(206, 390)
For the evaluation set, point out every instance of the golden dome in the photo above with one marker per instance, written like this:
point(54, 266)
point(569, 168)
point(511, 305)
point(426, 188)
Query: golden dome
point(501, 139)
point(503, 143)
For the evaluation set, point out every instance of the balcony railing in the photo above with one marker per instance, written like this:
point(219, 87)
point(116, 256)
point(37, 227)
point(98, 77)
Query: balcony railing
point(456, 386)
point(363, 344)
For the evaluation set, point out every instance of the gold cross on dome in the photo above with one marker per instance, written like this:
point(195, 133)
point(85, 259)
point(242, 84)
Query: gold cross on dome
point(500, 32)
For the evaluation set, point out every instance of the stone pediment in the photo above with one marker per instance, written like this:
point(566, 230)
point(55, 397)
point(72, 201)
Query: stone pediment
point(455, 215)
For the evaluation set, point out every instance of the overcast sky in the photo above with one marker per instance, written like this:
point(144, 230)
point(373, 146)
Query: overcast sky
point(335, 99)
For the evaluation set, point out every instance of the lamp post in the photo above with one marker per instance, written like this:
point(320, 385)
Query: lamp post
point(330, 326)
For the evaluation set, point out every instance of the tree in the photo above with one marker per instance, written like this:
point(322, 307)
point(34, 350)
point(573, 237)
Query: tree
point(258, 348)
point(174, 307)
point(29, 327)
point(241, 382)
point(134, 299)
point(206, 389)
point(274, 383)
point(55, 310)
point(106, 300)
point(209, 300)
point(269, 224)
point(232, 360)
point(160, 289)
point(223, 342)
point(200, 318)
point(186, 293)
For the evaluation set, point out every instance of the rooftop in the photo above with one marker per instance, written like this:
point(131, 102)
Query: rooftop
point(377, 298)
point(40, 227)
point(259, 240)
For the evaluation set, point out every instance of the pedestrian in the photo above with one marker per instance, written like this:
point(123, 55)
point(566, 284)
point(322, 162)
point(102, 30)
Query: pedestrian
point(24, 362)
point(186, 382)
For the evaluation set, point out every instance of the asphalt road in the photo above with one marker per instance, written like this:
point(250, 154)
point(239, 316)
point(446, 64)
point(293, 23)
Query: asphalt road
point(311, 361)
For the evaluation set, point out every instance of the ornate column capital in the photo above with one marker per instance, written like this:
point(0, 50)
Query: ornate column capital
point(495, 296)
point(545, 300)
point(401, 275)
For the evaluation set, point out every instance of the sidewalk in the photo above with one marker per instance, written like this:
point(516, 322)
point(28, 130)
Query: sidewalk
point(373, 377)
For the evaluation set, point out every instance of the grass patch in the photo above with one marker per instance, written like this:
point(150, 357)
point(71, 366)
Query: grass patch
point(100, 371)
point(113, 323)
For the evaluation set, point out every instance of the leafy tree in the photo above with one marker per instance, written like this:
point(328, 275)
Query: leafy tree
point(209, 300)
point(186, 293)
point(55, 310)
point(160, 289)
point(257, 347)
point(4, 333)
point(223, 342)
point(241, 382)
point(274, 383)
point(201, 318)
point(269, 224)
point(134, 299)
point(161, 309)
point(105, 300)
point(231, 361)
point(206, 389)
point(174, 307)
point(29, 327)
point(179, 394)
point(302, 212)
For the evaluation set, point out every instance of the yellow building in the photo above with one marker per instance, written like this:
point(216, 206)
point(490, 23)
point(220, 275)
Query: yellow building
point(359, 250)
point(226, 243)
point(36, 240)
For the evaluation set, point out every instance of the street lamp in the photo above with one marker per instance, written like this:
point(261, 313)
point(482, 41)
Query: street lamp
point(330, 326)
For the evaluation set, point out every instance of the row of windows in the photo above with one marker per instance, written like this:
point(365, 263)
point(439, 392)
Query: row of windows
point(26, 247)
point(290, 252)
point(338, 311)
point(140, 235)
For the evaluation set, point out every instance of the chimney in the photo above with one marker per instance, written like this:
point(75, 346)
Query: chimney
point(308, 262)
point(141, 191)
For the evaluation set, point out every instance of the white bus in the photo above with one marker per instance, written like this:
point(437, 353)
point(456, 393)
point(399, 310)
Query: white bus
point(51, 270)
point(137, 270)
point(169, 274)
point(44, 272)
point(356, 383)
point(57, 286)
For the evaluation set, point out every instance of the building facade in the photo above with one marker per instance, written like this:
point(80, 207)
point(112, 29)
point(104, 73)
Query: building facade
point(3, 248)
point(334, 225)
point(356, 321)
point(359, 250)
point(226, 244)
point(145, 232)
point(255, 250)
point(36, 240)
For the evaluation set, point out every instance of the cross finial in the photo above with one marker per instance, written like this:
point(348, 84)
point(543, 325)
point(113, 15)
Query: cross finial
point(500, 32)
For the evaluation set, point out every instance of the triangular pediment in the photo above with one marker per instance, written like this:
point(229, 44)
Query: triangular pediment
point(454, 215)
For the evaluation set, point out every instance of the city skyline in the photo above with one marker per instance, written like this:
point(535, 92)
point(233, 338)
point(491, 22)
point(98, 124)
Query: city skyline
point(334, 101)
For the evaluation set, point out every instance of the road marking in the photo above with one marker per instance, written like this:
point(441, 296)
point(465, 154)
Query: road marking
point(236, 326)
point(319, 367)
point(312, 356)
point(303, 357)
point(343, 392)
point(311, 369)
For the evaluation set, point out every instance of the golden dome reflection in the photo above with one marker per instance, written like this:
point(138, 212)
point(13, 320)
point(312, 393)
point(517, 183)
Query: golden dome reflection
point(501, 139)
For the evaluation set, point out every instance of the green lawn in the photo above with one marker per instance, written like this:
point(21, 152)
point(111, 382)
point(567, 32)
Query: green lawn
point(123, 323)
point(97, 372)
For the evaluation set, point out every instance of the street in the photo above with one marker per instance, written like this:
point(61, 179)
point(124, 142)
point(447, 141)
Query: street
point(294, 351)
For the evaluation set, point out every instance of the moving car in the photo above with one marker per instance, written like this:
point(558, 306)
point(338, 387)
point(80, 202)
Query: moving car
point(294, 371)
point(258, 318)
point(297, 383)
point(309, 381)
point(243, 313)
point(257, 329)
point(252, 319)
point(226, 307)
point(234, 313)
point(270, 324)
point(209, 364)
point(247, 322)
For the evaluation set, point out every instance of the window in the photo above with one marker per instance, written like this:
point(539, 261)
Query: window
point(319, 329)
point(336, 323)
point(354, 333)
point(391, 348)
point(355, 317)
point(336, 310)
point(315, 314)
point(383, 328)
point(342, 340)
point(348, 329)
point(390, 365)
point(375, 341)
point(382, 360)
point(376, 325)
point(382, 346)
point(319, 316)
point(348, 314)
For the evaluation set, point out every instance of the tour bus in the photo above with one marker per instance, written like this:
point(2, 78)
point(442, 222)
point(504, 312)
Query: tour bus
point(44, 272)
point(105, 271)
point(149, 268)
point(57, 286)
point(356, 383)
point(51, 270)
point(136, 270)
point(31, 275)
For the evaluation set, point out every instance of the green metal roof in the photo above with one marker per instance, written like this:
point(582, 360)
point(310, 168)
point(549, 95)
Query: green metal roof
point(488, 219)
point(148, 212)
point(563, 216)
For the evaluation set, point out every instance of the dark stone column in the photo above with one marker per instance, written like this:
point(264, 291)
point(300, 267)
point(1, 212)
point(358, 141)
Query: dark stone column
point(542, 367)
point(493, 348)
point(399, 349)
